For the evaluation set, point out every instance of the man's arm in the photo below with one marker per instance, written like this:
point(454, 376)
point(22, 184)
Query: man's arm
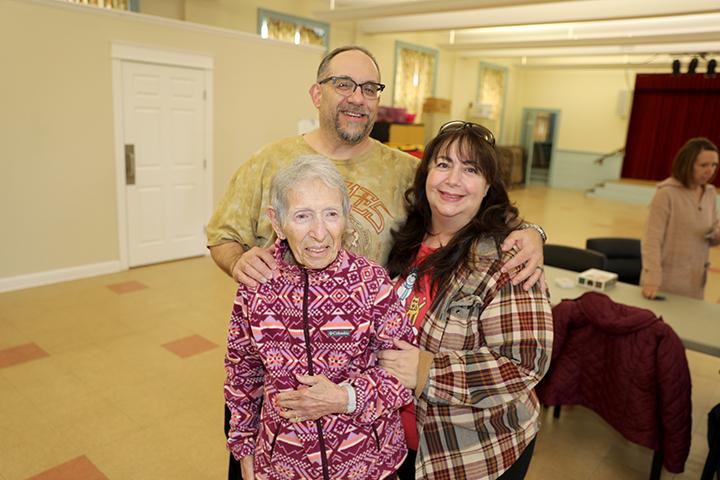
point(234, 231)
point(249, 268)
point(226, 255)
point(651, 245)
point(529, 242)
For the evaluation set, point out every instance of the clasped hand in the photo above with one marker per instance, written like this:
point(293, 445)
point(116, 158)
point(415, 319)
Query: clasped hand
point(402, 363)
point(315, 398)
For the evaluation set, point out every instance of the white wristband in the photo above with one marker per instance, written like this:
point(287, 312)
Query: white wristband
point(352, 398)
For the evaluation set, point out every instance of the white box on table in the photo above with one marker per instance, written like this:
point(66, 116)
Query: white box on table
point(595, 279)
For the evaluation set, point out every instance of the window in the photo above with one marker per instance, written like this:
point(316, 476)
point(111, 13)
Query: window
point(299, 31)
point(490, 98)
point(127, 5)
point(415, 73)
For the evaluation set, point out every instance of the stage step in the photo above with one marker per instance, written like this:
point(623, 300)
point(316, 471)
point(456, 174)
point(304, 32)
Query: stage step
point(630, 192)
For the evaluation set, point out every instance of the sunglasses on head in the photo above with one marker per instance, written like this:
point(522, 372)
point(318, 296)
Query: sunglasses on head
point(460, 125)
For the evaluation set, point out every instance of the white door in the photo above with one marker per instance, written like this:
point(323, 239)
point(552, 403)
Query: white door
point(164, 136)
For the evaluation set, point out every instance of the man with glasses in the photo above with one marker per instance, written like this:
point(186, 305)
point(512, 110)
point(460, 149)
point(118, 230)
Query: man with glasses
point(346, 93)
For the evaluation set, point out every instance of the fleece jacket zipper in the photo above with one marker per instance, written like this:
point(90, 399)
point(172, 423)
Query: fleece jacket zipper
point(311, 371)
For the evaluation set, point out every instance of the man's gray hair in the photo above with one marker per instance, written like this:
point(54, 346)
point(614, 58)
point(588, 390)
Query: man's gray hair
point(306, 168)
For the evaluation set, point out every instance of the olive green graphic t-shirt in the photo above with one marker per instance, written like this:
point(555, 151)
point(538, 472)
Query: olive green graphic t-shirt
point(376, 182)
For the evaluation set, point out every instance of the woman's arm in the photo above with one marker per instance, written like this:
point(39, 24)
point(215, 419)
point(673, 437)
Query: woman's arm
point(652, 243)
point(516, 327)
point(529, 242)
point(243, 383)
point(376, 390)
point(714, 235)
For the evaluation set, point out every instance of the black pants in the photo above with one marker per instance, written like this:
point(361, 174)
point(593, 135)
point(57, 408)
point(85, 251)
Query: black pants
point(516, 472)
point(234, 472)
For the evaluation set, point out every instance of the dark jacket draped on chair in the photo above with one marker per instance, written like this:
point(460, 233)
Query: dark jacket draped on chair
point(627, 365)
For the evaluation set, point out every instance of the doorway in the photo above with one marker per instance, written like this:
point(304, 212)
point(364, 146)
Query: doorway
point(163, 129)
point(539, 134)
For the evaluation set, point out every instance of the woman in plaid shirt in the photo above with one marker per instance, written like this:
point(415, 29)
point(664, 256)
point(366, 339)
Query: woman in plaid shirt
point(484, 342)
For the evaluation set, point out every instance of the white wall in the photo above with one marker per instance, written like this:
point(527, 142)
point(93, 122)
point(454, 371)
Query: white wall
point(57, 187)
point(587, 100)
point(57, 197)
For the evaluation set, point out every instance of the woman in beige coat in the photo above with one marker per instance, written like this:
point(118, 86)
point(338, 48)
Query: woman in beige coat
point(682, 224)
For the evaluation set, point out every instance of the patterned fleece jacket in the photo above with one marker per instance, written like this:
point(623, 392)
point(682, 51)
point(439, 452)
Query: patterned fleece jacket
point(312, 322)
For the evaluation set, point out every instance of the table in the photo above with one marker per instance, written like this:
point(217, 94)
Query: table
point(696, 322)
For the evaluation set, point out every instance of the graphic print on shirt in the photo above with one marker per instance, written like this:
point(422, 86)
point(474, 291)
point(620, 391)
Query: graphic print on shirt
point(405, 289)
point(368, 206)
point(368, 219)
point(414, 299)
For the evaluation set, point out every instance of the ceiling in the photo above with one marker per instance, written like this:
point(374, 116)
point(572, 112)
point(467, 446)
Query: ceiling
point(550, 33)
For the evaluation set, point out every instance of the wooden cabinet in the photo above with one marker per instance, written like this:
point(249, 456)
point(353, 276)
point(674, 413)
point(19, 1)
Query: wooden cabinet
point(399, 134)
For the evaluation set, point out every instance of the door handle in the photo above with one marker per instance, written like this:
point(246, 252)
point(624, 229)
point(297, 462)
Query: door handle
point(129, 164)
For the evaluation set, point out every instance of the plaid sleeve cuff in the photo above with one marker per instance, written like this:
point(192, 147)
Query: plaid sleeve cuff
point(423, 371)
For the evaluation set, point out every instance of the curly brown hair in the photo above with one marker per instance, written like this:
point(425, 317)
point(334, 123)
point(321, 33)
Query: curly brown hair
point(496, 218)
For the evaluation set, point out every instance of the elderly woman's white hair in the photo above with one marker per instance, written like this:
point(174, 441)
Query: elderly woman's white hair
point(306, 168)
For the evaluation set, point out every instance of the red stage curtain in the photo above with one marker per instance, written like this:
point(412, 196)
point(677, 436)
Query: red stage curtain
point(668, 110)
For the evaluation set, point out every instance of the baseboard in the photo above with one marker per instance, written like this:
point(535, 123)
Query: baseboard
point(19, 282)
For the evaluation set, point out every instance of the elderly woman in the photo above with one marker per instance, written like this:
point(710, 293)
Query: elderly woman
point(484, 343)
point(682, 224)
point(307, 398)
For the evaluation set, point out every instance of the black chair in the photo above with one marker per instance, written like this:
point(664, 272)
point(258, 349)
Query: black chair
point(572, 258)
point(623, 256)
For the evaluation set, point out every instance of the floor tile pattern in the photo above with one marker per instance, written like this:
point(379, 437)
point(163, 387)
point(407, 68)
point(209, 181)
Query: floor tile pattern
point(126, 287)
point(189, 346)
point(21, 354)
point(77, 469)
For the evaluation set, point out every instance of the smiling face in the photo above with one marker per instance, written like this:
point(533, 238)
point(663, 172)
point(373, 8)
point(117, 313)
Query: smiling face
point(455, 189)
point(314, 223)
point(705, 166)
point(349, 119)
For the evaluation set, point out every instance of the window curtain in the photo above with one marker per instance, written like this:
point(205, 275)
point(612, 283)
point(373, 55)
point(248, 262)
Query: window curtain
point(668, 110)
point(492, 92)
point(111, 4)
point(286, 30)
point(281, 30)
point(414, 76)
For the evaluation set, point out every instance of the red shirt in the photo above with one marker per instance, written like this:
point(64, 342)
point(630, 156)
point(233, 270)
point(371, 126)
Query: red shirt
point(417, 296)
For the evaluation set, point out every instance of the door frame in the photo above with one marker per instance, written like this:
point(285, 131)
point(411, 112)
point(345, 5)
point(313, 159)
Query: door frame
point(524, 132)
point(123, 52)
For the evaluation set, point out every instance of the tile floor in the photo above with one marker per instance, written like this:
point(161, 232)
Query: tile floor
point(120, 376)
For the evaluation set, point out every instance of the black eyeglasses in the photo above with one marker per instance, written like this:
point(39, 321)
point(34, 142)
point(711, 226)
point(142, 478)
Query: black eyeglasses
point(486, 134)
point(346, 86)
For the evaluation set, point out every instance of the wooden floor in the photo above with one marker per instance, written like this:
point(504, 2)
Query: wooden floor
point(120, 376)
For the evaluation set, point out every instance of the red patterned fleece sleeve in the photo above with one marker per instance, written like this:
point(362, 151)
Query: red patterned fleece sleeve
point(243, 383)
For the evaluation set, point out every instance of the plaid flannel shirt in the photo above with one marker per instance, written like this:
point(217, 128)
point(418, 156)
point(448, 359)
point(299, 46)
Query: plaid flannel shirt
point(492, 344)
